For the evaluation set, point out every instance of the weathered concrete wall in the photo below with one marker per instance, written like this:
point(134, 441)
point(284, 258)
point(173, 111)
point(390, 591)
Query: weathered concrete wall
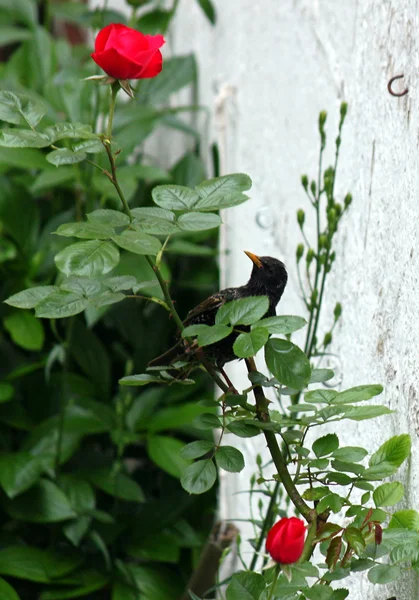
point(267, 69)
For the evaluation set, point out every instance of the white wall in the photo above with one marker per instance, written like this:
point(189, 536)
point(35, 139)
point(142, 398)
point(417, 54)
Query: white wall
point(277, 64)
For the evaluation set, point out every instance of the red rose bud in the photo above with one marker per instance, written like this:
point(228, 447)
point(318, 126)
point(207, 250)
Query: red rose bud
point(285, 540)
point(124, 53)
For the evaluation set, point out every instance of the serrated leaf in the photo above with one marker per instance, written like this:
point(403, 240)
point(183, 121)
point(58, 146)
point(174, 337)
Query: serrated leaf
point(355, 538)
point(358, 394)
point(333, 552)
point(230, 459)
point(207, 334)
point(222, 192)
point(393, 451)
point(350, 453)
point(245, 586)
point(382, 574)
point(199, 477)
point(249, 344)
point(281, 325)
point(288, 363)
point(244, 311)
point(87, 259)
point(88, 231)
point(380, 471)
point(242, 429)
point(388, 494)
point(326, 445)
point(82, 286)
point(196, 449)
point(361, 413)
point(327, 531)
point(174, 197)
point(61, 304)
point(207, 421)
point(139, 380)
point(320, 396)
point(107, 216)
point(137, 242)
point(198, 221)
point(407, 519)
point(19, 109)
point(120, 283)
point(65, 156)
point(154, 220)
point(23, 138)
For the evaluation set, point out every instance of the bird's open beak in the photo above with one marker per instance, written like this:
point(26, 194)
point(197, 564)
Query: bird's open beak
point(255, 259)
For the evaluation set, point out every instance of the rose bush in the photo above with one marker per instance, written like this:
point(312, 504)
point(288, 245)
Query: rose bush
point(125, 53)
point(285, 540)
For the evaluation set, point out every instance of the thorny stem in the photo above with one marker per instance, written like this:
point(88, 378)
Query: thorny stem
point(262, 412)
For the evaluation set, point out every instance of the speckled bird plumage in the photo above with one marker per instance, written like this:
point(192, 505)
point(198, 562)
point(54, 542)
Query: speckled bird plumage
point(268, 278)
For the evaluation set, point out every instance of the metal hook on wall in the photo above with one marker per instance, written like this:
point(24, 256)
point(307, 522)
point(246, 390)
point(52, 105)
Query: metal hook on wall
point(390, 89)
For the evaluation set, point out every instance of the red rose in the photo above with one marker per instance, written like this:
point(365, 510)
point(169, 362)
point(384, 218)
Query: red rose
point(285, 540)
point(124, 53)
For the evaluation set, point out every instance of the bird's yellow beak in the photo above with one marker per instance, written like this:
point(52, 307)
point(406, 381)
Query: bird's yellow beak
point(255, 259)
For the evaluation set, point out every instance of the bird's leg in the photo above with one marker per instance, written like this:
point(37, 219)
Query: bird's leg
point(230, 384)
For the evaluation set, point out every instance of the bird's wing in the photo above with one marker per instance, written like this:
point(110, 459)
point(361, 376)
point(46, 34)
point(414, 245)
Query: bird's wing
point(211, 304)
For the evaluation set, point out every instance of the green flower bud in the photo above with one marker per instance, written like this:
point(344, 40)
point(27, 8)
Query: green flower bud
point(327, 339)
point(322, 259)
point(323, 241)
point(343, 111)
point(304, 181)
point(331, 215)
point(338, 209)
point(300, 252)
point(300, 217)
point(258, 460)
point(309, 256)
point(313, 187)
point(348, 200)
point(338, 310)
point(322, 120)
point(332, 257)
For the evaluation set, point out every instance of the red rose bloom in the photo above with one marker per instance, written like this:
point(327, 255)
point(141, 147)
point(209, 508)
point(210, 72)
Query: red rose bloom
point(124, 53)
point(285, 540)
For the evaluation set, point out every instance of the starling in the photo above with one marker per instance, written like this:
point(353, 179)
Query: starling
point(268, 278)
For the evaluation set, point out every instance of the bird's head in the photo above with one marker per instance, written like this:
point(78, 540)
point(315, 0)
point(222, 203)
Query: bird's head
point(267, 272)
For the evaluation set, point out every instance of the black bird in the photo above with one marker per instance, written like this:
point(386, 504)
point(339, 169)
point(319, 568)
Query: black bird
point(268, 278)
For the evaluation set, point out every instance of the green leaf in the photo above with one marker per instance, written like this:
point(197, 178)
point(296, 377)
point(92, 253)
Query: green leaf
point(198, 221)
point(164, 451)
point(249, 344)
point(196, 449)
point(6, 391)
point(33, 564)
point(288, 363)
point(212, 334)
point(230, 459)
point(321, 375)
point(388, 494)
point(355, 539)
point(90, 580)
point(115, 484)
point(139, 380)
point(154, 220)
point(83, 286)
point(358, 394)
point(137, 242)
point(87, 259)
point(65, 156)
point(393, 451)
point(242, 429)
point(107, 216)
point(361, 413)
point(209, 10)
point(320, 396)
point(382, 574)
point(19, 471)
point(61, 131)
point(178, 72)
point(245, 586)
point(281, 325)
point(25, 330)
point(407, 519)
point(174, 417)
point(326, 445)
point(12, 35)
point(244, 311)
point(44, 502)
point(91, 146)
point(23, 138)
point(222, 192)
point(199, 477)
point(78, 491)
point(19, 109)
point(381, 471)
point(174, 197)
point(61, 304)
point(6, 591)
point(350, 454)
point(50, 178)
point(207, 421)
point(318, 592)
point(89, 231)
point(161, 547)
point(120, 283)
